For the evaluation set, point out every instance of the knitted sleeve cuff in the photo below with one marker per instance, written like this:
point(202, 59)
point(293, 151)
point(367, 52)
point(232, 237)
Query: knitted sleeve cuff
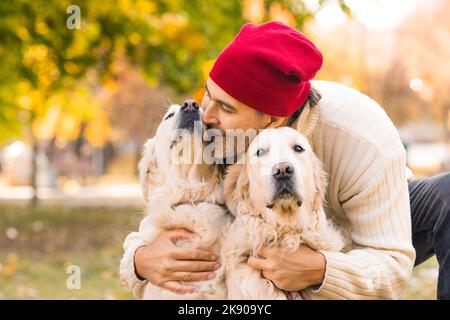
point(328, 287)
point(127, 272)
point(353, 279)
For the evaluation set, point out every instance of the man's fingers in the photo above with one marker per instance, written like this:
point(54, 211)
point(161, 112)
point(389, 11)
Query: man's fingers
point(178, 287)
point(267, 252)
point(258, 263)
point(192, 276)
point(195, 266)
point(267, 275)
point(193, 254)
point(179, 234)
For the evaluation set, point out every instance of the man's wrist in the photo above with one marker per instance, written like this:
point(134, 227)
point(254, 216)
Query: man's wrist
point(136, 254)
point(320, 271)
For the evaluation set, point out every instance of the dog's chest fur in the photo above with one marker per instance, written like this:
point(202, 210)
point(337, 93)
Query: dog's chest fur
point(199, 212)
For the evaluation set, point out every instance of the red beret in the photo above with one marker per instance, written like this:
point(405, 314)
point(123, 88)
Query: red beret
point(268, 67)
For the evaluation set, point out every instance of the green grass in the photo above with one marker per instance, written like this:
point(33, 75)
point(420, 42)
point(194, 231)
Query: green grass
point(423, 282)
point(33, 265)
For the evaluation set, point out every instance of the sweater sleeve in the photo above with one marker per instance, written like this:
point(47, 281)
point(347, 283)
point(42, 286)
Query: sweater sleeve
point(382, 255)
point(127, 270)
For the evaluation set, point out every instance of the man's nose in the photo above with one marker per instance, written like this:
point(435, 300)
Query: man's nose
point(282, 170)
point(190, 105)
point(210, 116)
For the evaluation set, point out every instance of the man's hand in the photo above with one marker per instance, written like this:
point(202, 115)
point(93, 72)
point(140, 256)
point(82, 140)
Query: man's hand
point(290, 271)
point(164, 264)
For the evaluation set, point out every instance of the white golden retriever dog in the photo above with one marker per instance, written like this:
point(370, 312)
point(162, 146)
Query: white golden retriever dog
point(276, 197)
point(182, 191)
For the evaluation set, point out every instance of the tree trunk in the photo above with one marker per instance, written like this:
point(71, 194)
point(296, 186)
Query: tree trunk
point(34, 166)
point(137, 156)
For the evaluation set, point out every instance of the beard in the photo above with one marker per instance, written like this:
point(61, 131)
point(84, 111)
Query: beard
point(227, 147)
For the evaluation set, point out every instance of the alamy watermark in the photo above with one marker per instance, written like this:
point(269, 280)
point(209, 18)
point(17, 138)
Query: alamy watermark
point(213, 146)
point(73, 281)
point(73, 21)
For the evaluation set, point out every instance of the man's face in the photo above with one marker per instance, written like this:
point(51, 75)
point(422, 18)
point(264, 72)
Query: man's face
point(224, 113)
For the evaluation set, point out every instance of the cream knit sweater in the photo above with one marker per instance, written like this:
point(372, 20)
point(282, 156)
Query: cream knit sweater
point(367, 196)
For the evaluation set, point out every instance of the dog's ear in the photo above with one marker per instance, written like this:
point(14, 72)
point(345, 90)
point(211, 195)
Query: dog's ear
point(148, 168)
point(317, 221)
point(320, 183)
point(236, 191)
point(230, 183)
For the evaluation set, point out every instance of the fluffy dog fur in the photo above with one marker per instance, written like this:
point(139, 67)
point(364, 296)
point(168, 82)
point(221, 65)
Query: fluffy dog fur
point(265, 219)
point(182, 193)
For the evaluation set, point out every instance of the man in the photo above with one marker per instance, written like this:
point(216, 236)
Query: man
point(261, 80)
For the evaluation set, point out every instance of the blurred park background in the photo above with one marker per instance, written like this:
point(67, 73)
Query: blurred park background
point(76, 105)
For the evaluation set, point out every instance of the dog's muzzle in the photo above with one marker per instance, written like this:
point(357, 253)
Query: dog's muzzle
point(283, 171)
point(283, 174)
point(189, 114)
point(284, 185)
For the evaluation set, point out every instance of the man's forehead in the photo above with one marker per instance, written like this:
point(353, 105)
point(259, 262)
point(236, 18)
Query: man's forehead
point(215, 89)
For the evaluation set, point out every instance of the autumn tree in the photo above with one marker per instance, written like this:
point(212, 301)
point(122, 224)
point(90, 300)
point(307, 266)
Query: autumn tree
point(172, 42)
point(425, 50)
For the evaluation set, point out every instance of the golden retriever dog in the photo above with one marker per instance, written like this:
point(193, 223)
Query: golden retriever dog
point(277, 198)
point(182, 191)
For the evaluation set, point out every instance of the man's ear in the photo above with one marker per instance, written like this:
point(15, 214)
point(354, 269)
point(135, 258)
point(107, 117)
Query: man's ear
point(148, 168)
point(275, 122)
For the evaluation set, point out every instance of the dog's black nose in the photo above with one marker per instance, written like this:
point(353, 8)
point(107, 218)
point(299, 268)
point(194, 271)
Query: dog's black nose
point(282, 170)
point(190, 105)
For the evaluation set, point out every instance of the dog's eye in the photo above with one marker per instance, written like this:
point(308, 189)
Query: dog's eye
point(298, 148)
point(170, 115)
point(260, 152)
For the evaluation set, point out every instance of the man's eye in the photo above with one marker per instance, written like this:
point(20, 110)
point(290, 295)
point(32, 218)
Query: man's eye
point(261, 152)
point(170, 115)
point(226, 109)
point(298, 148)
